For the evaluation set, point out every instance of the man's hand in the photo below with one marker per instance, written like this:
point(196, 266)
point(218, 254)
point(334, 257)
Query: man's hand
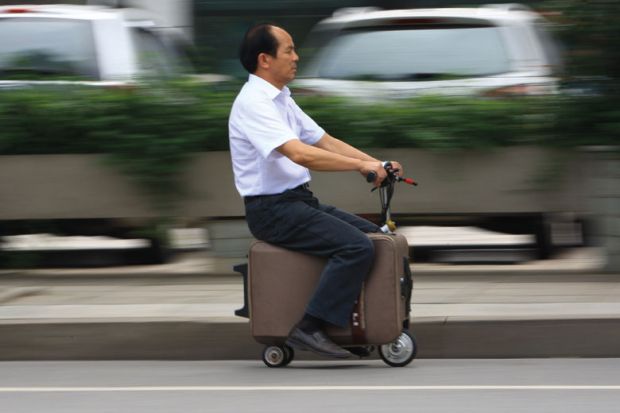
point(376, 167)
point(379, 170)
point(398, 166)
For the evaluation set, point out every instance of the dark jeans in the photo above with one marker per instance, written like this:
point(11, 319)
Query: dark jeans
point(297, 221)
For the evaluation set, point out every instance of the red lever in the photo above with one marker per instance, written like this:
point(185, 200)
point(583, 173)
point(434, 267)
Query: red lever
point(408, 181)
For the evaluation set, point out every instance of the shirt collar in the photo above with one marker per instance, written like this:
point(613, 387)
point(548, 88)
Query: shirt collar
point(271, 91)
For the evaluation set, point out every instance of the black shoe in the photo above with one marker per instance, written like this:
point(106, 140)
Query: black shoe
point(317, 342)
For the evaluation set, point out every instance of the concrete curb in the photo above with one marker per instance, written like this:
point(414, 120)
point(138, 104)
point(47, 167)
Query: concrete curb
point(213, 340)
point(157, 273)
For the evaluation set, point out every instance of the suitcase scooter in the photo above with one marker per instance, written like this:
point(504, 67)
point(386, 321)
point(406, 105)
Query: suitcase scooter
point(278, 283)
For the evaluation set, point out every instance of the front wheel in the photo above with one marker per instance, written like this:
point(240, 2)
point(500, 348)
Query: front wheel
point(399, 352)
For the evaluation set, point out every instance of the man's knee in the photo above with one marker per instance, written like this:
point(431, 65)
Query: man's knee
point(364, 249)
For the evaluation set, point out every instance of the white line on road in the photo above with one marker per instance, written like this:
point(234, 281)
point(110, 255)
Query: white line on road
point(300, 388)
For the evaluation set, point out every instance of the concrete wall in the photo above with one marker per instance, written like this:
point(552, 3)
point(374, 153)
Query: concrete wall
point(604, 201)
point(515, 180)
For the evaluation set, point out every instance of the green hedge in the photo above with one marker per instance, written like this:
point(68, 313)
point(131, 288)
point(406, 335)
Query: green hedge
point(148, 132)
point(167, 120)
point(151, 130)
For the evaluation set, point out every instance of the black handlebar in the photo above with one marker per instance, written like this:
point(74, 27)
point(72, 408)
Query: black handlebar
point(386, 191)
point(392, 177)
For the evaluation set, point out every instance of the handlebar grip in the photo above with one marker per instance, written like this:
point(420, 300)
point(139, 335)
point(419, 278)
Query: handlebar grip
point(371, 176)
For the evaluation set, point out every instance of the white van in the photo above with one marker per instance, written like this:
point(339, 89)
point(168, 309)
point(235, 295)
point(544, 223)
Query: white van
point(86, 44)
point(491, 50)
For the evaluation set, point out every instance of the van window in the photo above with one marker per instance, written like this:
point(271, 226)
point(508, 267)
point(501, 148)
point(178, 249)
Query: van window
point(413, 54)
point(551, 47)
point(154, 57)
point(44, 48)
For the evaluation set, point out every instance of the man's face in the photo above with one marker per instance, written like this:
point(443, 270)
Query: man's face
point(283, 66)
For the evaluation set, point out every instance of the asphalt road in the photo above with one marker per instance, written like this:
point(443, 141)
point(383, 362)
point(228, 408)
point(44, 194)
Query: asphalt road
point(517, 385)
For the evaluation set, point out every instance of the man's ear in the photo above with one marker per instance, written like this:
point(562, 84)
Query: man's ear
point(263, 60)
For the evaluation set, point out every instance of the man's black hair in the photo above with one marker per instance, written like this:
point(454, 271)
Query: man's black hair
point(258, 39)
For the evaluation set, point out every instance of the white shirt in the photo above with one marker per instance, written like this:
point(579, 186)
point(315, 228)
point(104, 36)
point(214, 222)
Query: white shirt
point(262, 119)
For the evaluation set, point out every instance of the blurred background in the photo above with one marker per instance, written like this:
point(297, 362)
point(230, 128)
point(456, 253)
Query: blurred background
point(113, 148)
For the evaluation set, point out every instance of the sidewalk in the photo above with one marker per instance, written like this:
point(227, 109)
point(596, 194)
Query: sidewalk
point(184, 310)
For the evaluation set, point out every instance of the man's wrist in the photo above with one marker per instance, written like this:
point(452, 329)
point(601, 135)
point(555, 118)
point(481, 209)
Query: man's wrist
point(360, 165)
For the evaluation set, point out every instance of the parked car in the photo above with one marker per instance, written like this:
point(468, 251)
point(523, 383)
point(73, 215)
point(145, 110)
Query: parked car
point(489, 50)
point(60, 45)
point(95, 45)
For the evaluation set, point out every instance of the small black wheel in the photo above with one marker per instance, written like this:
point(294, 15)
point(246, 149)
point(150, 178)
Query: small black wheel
point(289, 354)
point(275, 356)
point(399, 352)
point(361, 351)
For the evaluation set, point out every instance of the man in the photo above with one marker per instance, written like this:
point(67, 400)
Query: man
point(273, 143)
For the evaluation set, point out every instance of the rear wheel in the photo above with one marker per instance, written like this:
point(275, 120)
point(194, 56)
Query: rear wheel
point(289, 353)
point(277, 356)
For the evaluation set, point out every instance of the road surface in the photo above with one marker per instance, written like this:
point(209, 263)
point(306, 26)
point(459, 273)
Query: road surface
point(514, 385)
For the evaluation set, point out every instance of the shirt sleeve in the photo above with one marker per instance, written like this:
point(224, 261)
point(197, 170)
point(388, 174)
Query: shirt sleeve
point(265, 128)
point(311, 132)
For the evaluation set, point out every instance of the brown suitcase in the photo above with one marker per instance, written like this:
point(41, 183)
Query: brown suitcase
point(281, 282)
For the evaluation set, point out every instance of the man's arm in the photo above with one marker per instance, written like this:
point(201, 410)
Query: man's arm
point(319, 159)
point(331, 144)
